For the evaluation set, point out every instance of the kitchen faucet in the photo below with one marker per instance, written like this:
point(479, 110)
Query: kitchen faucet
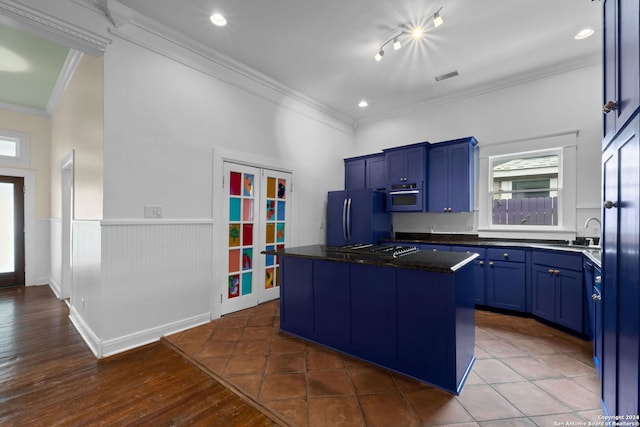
point(586, 224)
point(593, 218)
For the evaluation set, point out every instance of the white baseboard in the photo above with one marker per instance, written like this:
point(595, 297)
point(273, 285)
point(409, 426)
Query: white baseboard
point(118, 345)
point(55, 287)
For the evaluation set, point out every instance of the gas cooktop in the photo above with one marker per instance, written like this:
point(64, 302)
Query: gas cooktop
point(386, 251)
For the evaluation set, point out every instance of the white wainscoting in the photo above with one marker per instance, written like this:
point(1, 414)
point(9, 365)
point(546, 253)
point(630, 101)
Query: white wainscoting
point(55, 250)
point(38, 266)
point(156, 279)
point(85, 300)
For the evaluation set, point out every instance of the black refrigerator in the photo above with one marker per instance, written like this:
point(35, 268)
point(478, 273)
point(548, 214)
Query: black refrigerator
point(357, 216)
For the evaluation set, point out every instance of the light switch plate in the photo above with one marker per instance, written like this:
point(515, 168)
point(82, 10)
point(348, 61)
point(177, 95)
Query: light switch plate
point(153, 211)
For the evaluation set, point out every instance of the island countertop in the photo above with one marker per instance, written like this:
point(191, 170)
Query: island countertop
point(439, 261)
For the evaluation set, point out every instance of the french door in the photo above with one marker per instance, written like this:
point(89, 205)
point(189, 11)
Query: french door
point(257, 208)
point(11, 231)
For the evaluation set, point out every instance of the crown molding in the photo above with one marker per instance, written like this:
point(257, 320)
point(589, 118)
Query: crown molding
point(70, 64)
point(22, 16)
point(151, 35)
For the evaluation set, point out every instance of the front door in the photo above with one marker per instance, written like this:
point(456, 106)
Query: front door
point(11, 231)
point(257, 206)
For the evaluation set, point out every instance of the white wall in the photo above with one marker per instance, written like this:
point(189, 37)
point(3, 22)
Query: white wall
point(166, 110)
point(555, 104)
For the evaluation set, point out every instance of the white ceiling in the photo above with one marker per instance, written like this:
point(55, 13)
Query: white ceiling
point(325, 49)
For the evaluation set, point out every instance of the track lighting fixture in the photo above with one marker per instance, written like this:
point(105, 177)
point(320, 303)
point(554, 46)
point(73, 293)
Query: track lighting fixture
point(416, 32)
point(437, 19)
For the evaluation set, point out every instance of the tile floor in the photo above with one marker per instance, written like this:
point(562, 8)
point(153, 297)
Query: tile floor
point(526, 374)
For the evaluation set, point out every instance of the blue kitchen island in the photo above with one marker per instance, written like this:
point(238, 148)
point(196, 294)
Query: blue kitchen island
point(412, 313)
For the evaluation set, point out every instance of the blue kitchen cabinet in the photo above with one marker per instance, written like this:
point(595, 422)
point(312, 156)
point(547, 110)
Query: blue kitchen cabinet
point(376, 172)
point(507, 279)
point(433, 247)
point(593, 302)
point(295, 301)
point(557, 288)
point(331, 301)
point(373, 313)
point(621, 272)
point(365, 172)
point(451, 175)
point(479, 271)
point(621, 65)
point(406, 164)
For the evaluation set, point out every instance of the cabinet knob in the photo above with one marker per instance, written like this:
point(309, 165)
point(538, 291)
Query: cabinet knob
point(551, 271)
point(481, 262)
point(609, 204)
point(556, 271)
point(609, 107)
point(445, 209)
point(449, 209)
point(506, 255)
point(490, 262)
point(596, 297)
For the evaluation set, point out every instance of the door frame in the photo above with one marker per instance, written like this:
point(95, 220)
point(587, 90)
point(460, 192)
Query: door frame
point(30, 262)
point(66, 213)
point(221, 155)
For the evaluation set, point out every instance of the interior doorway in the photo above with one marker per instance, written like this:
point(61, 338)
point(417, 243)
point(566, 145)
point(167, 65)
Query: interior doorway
point(66, 178)
point(12, 248)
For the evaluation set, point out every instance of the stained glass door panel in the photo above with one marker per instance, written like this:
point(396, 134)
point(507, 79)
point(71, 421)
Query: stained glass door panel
point(277, 206)
point(242, 184)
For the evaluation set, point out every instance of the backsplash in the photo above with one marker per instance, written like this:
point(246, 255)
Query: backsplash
point(426, 222)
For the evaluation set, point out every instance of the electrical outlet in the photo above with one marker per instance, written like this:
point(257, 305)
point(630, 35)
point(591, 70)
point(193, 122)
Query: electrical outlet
point(153, 211)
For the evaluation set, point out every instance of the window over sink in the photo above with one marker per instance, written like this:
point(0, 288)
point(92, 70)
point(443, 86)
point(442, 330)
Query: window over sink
point(525, 188)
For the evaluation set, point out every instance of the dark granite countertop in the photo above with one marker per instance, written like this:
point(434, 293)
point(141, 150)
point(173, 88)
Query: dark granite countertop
point(441, 261)
point(593, 253)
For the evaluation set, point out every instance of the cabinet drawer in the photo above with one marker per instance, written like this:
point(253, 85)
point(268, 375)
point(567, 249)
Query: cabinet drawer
point(558, 260)
point(505, 254)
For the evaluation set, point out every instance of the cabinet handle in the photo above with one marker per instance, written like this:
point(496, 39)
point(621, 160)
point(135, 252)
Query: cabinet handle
point(609, 204)
point(596, 297)
point(609, 107)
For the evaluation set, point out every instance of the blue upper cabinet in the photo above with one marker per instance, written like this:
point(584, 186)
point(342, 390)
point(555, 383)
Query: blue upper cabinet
point(621, 65)
point(406, 168)
point(451, 175)
point(406, 164)
point(365, 172)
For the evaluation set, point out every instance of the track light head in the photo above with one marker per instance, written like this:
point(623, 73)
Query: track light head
point(396, 44)
point(379, 55)
point(437, 19)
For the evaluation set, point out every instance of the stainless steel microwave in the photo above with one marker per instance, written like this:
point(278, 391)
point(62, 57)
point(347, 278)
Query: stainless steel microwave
point(408, 197)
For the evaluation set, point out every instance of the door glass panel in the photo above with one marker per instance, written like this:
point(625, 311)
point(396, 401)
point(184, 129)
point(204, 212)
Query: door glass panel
point(241, 230)
point(276, 195)
point(7, 249)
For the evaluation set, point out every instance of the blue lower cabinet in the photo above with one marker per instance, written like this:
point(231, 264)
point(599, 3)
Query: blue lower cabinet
point(416, 322)
point(479, 268)
point(331, 300)
point(295, 301)
point(373, 313)
point(558, 289)
point(506, 285)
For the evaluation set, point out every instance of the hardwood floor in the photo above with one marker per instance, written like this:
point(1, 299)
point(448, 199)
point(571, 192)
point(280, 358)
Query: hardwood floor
point(48, 376)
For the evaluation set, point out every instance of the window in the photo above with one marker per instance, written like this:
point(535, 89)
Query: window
point(14, 148)
point(525, 188)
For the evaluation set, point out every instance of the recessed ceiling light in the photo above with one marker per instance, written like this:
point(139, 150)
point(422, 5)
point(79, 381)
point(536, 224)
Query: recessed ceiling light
point(218, 20)
point(583, 34)
point(363, 104)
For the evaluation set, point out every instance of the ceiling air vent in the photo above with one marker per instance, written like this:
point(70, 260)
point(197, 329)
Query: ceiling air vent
point(446, 76)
